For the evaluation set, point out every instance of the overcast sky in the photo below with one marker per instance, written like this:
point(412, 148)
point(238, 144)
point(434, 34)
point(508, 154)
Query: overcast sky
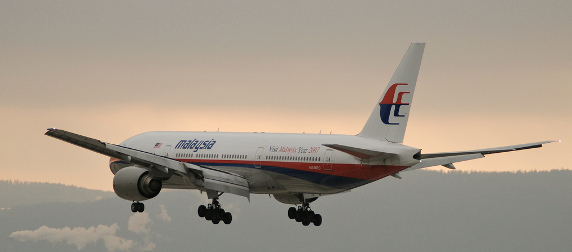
point(493, 74)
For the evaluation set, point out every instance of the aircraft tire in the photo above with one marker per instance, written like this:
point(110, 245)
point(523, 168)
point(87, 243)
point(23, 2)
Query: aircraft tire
point(209, 214)
point(317, 220)
point(292, 213)
point(134, 207)
point(305, 222)
point(141, 207)
point(299, 216)
point(227, 218)
point(310, 215)
point(202, 211)
point(216, 220)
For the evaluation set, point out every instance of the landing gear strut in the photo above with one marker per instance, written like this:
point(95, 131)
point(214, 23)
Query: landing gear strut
point(137, 207)
point(213, 212)
point(305, 215)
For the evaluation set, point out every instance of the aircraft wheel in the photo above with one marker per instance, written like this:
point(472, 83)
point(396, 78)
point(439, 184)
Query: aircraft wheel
point(202, 211)
point(292, 213)
point(310, 215)
point(306, 222)
point(317, 220)
point(216, 220)
point(137, 207)
point(227, 218)
point(209, 214)
point(299, 216)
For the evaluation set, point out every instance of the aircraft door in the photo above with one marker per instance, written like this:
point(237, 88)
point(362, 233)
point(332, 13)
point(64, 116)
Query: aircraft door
point(167, 150)
point(328, 160)
point(258, 157)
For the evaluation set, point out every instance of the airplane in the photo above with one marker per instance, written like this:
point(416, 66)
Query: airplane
point(295, 168)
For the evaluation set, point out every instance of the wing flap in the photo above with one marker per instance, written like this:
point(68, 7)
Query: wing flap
point(223, 181)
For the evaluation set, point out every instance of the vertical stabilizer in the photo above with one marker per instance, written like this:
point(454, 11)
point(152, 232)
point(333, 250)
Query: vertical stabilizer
point(388, 119)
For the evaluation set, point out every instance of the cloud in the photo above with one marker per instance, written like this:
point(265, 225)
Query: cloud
point(164, 215)
point(138, 223)
point(77, 236)
point(149, 246)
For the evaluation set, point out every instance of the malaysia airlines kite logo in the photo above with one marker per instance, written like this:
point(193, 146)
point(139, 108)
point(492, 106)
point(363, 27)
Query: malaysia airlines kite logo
point(387, 103)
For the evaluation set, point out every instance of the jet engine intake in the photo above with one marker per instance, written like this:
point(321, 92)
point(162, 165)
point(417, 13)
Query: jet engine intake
point(135, 184)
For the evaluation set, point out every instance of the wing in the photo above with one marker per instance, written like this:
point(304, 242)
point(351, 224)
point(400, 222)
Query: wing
point(448, 158)
point(160, 166)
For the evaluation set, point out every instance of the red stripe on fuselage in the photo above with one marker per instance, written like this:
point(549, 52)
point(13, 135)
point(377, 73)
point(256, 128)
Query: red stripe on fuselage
point(356, 171)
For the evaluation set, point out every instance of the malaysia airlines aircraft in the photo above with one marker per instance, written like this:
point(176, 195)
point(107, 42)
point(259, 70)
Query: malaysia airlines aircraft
point(294, 168)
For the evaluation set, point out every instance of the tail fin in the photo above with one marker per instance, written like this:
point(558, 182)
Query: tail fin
point(388, 119)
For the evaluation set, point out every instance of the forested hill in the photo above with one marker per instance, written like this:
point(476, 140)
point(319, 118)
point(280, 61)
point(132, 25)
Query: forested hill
point(16, 193)
point(424, 211)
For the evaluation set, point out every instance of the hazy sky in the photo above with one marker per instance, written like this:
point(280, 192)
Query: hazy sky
point(493, 74)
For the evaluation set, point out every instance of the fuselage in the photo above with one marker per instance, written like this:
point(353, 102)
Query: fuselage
point(274, 163)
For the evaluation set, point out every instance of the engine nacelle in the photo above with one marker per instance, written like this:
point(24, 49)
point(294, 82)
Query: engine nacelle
point(135, 184)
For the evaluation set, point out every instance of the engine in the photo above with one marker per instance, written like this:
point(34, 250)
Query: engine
point(135, 184)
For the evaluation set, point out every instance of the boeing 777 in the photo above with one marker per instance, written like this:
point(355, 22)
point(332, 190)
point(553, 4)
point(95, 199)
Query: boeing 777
point(295, 168)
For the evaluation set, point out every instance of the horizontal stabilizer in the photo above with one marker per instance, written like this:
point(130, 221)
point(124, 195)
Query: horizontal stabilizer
point(359, 152)
point(488, 151)
point(444, 161)
point(448, 158)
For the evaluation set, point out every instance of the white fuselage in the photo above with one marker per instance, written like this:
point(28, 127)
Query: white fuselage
point(274, 163)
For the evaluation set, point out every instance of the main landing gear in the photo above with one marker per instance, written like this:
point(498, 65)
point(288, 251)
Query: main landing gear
point(137, 207)
point(305, 215)
point(213, 212)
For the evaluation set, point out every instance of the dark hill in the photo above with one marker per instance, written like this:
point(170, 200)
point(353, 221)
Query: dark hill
point(425, 211)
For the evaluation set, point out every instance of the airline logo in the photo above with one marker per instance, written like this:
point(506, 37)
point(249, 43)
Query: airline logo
point(195, 144)
point(388, 102)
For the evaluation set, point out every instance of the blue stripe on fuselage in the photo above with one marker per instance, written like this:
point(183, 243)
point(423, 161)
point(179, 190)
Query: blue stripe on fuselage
point(329, 180)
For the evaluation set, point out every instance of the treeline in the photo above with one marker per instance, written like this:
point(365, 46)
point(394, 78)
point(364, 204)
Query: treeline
point(16, 193)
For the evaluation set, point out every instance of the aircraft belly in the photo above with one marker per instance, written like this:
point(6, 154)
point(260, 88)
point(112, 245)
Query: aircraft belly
point(274, 180)
point(269, 182)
